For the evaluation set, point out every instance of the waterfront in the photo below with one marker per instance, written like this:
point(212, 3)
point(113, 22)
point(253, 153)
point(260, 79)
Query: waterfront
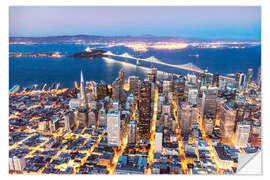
point(26, 71)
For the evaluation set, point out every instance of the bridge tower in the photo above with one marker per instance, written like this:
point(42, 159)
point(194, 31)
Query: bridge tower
point(138, 62)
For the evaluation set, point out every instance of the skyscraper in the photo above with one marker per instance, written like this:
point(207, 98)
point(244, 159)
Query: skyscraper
point(240, 80)
point(158, 139)
point(192, 95)
point(249, 76)
point(151, 77)
point(215, 81)
point(83, 109)
point(209, 102)
point(101, 90)
point(83, 100)
point(179, 87)
point(113, 128)
point(208, 124)
point(185, 118)
point(117, 86)
point(167, 86)
point(192, 78)
point(145, 110)
point(116, 89)
point(132, 132)
point(227, 122)
point(134, 82)
point(242, 134)
point(102, 117)
point(258, 81)
point(69, 121)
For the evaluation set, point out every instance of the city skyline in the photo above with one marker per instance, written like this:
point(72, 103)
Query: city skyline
point(228, 22)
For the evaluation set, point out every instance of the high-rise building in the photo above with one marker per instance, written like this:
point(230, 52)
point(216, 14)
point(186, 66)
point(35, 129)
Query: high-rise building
point(115, 105)
point(161, 101)
point(113, 128)
point(69, 121)
point(256, 134)
point(166, 108)
point(192, 96)
point(167, 86)
point(132, 132)
point(242, 134)
point(121, 76)
point(151, 77)
point(101, 90)
point(83, 100)
point(82, 115)
point(134, 83)
point(192, 78)
point(209, 102)
point(102, 117)
point(205, 78)
point(237, 78)
point(258, 81)
point(188, 86)
point(158, 139)
point(178, 87)
point(116, 89)
point(154, 71)
point(145, 110)
point(92, 117)
point(240, 80)
point(208, 124)
point(194, 114)
point(249, 76)
point(222, 84)
point(227, 122)
point(185, 118)
point(215, 81)
point(240, 111)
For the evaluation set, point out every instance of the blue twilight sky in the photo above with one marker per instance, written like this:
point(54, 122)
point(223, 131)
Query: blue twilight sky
point(201, 21)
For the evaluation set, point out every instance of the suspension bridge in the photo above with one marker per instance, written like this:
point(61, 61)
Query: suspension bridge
point(189, 66)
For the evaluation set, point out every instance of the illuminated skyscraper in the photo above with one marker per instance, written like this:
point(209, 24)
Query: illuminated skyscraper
point(215, 81)
point(242, 134)
point(116, 89)
point(227, 123)
point(258, 81)
point(101, 90)
point(240, 80)
point(178, 87)
point(208, 124)
point(83, 100)
point(83, 109)
point(192, 95)
point(134, 83)
point(151, 77)
point(132, 132)
point(158, 139)
point(249, 76)
point(209, 102)
point(113, 128)
point(167, 86)
point(145, 110)
point(102, 117)
point(185, 118)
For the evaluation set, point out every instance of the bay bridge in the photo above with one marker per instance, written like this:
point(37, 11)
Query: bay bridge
point(189, 66)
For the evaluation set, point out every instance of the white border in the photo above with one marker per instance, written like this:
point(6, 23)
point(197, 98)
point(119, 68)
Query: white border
point(4, 71)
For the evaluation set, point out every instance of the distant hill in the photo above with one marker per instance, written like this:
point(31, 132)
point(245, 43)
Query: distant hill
point(99, 39)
